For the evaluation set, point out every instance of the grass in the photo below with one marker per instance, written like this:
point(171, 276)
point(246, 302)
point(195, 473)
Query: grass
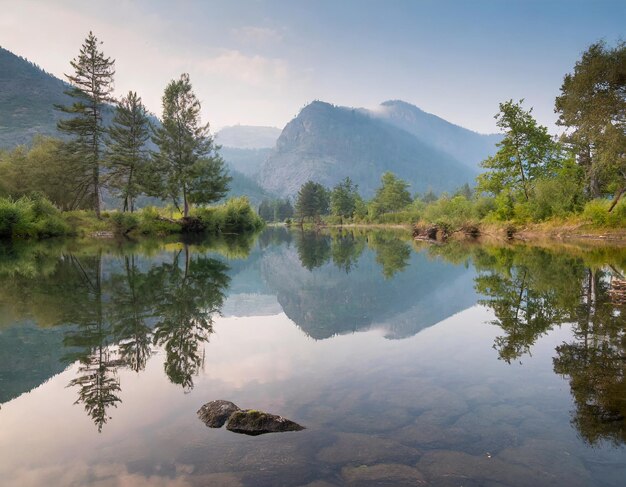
point(34, 217)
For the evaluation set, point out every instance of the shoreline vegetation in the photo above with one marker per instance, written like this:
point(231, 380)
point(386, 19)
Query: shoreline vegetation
point(536, 186)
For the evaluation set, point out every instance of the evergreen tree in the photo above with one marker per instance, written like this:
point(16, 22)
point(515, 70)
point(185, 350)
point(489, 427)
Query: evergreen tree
point(283, 210)
point(343, 199)
point(266, 210)
point(91, 87)
point(191, 167)
point(312, 201)
point(128, 155)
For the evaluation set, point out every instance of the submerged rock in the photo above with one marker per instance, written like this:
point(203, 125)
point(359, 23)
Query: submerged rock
point(252, 422)
point(215, 413)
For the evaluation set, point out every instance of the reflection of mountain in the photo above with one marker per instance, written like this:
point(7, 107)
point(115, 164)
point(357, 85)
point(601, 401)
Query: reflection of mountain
point(29, 356)
point(328, 301)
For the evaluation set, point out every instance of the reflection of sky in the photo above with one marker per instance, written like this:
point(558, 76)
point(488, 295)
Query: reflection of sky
point(262, 362)
point(259, 61)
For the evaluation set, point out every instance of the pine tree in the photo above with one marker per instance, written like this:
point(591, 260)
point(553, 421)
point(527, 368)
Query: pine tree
point(343, 199)
point(91, 87)
point(312, 201)
point(192, 168)
point(127, 154)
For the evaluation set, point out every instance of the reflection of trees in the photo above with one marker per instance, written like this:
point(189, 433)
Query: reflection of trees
point(114, 308)
point(313, 249)
point(595, 363)
point(346, 250)
point(391, 253)
point(96, 378)
point(131, 301)
point(529, 291)
point(185, 306)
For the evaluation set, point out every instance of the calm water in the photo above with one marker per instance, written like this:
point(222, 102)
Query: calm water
point(445, 365)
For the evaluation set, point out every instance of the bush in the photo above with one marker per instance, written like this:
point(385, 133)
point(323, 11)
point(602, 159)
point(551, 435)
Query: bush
point(124, 222)
point(597, 213)
point(234, 216)
point(451, 213)
point(31, 217)
point(152, 223)
point(557, 197)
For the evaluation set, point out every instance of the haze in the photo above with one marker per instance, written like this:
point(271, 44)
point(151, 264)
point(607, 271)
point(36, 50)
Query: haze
point(258, 62)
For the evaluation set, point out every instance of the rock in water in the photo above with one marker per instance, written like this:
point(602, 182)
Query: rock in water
point(252, 422)
point(215, 413)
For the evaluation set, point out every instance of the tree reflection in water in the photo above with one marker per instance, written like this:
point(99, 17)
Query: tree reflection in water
point(532, 290)
point(115, 309)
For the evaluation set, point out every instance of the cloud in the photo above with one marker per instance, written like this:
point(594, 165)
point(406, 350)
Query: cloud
point(257, 35)
point(251, 70)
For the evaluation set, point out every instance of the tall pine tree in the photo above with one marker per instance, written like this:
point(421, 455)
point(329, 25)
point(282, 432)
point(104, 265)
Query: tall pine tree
point(127, 153)
point(91, 88)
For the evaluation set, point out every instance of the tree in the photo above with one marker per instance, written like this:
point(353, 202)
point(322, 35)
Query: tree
point(91, 87)
point(592, 106)
point(48, 167)
point(343, 199)
point(392, 195)
point(127, 154)
point(526, 153)
point(188, 158)
point(312, 201)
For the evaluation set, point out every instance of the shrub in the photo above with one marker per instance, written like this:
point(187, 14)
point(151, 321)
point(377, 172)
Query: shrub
point(234, 216)
point(450, 213)
point(31, 217)
point(124, 222)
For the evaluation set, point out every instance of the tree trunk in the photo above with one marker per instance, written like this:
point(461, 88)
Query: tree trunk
point(96, 188)
point(185, 202)
point(618, 195)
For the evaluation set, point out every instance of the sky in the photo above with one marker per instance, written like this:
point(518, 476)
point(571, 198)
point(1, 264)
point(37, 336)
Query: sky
point(258, 62)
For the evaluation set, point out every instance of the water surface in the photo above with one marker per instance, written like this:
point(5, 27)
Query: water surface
point(408, 365)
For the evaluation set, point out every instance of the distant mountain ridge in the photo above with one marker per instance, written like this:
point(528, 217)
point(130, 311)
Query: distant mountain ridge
point(27, 98)
point(247, 136)
point(326, 143)
point(465, 145)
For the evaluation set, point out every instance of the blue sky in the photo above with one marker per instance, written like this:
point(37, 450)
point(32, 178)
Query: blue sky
point(259, 61)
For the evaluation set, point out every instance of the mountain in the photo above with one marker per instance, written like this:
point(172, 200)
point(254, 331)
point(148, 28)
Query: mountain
point(27, 98)
point(245, 147)
point(247, 137)
point(466, 146)
point(245, 161)
point(326, 143)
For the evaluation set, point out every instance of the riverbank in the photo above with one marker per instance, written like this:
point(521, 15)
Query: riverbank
point(36, 218)
point(572, 231)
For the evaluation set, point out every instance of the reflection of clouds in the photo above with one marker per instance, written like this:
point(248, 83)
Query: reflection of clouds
point(79, 473)
point(266, 349)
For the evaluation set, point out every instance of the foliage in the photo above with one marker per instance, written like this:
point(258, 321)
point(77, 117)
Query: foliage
point(31, 217)
point(312, 201)
point(392, 195)
point(526, 152)
point(451, 213)
point(276, 210)
point(47, 167)
point(187, 157)
point(592, 106)
point(343, 199)
point(91, 88)
point(127, 157)
point(235, 216)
